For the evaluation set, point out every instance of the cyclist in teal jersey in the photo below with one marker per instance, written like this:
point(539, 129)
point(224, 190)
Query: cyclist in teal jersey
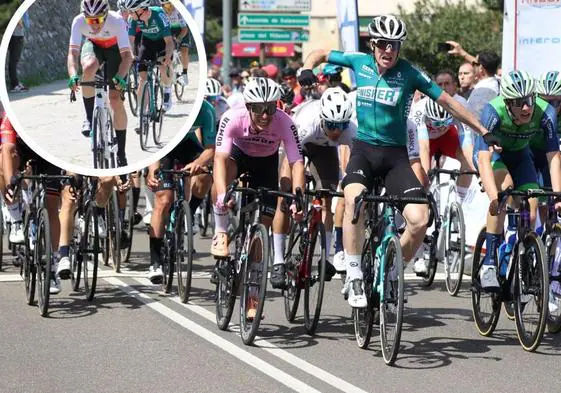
point(180, 32)
point(156, 42)
point(386, 86)
point(514, 117)
point(192, 154)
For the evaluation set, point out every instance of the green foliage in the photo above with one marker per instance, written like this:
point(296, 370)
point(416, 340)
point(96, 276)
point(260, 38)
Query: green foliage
point(432, 22)
point(7, 10)
point(496, 5)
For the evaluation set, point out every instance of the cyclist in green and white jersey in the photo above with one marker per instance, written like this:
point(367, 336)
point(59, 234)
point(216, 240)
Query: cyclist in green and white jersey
point(191, 154)
point(156, 42)
point(515, 117)
point(180, 32)
point(386, 86)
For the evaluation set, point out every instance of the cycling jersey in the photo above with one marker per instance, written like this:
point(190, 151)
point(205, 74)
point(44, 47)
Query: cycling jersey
point(113, 32)
point(206, 121)
point(496, 119)
point(308, 122)
point(383, 101)
point(176, 20)
point(235, 129)
point(156, 28)
point(418, 115)
point(7, 132)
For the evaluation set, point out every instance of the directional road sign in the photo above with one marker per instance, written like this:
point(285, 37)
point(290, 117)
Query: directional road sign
point(273, 35)
point(273, 20)
point(276, 5)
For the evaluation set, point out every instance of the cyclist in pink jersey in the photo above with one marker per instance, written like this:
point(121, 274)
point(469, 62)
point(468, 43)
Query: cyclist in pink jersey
point(248, 141)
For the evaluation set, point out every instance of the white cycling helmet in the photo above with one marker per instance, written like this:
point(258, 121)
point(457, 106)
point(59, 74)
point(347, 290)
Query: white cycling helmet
point(549, 84)
point(121, 5)
point(260, 90)
point(387, 27)
point(336, 106)
point(133, 5)
point(517, 84)
point(213, 88)
point(434, 111)
point(94, 7)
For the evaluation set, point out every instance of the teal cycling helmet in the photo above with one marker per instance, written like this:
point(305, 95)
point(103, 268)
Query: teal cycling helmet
point(549, 84)
point(331, 69)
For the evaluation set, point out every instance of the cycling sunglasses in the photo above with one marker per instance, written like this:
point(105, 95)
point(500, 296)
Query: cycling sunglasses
point(259, 109)
point(332, 126)
point(95, 20)
point(441, 123)
point(392, 45)
point(520, 102)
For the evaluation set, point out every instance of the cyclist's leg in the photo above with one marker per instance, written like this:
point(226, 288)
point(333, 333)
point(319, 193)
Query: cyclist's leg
point(280, 229)
point(184, 50)
point(145, 53)
point(113, 59)
point(166, 73)
point(66, 220)
point(462, 146)
point(339, 257)
point(10, 162)
point(540, 161)
point(90, 65)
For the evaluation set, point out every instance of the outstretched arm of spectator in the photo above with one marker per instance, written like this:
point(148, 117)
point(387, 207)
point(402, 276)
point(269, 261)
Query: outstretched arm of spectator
point(457, 50)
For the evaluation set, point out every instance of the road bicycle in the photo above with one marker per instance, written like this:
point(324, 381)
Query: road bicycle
point(151, 110)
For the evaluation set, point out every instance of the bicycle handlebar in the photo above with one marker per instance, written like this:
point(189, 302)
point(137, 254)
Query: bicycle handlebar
point(525, 194)
point(390, 199)
point(454, 173)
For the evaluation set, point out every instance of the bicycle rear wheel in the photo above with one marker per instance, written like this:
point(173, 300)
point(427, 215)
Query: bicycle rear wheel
point(293, 259)
point(168, 260)
point(486, 307)
point(75, 255)
point(392, 301)
point(455, 249)
point(531, 292)
point(43, 260)
point(96, 139)
point(29, 270)
point(184, 250)
point(89, 250)
point(207, 215)
point(144, 115)
point(132, 88)
point(113, 241)
point(158, 119)
point(226, 291)
point(127, 225)
point(363, 318)
point(255, 274)
point(315, 282)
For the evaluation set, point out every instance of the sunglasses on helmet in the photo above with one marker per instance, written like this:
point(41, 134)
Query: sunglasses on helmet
point(259, 109)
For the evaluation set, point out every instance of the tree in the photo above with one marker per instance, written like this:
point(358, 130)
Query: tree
point(432, 22)
point(7, 10)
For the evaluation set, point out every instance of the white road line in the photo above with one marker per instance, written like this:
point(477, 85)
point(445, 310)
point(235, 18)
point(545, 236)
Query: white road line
point(295, 361)
point(10, 278)
point(214, 339)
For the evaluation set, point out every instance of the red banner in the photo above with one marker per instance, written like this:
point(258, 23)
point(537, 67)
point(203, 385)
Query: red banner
point(252, 50)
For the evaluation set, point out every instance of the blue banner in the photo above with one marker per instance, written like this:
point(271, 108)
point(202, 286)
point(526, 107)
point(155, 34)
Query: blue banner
point(347, 21)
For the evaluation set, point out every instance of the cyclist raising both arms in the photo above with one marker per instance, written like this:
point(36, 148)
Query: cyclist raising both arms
point(106, 41)
point(386, 85)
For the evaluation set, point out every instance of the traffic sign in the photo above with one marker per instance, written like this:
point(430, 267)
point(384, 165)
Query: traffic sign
point(273, 20)
point(273, 35)
point(276, 5)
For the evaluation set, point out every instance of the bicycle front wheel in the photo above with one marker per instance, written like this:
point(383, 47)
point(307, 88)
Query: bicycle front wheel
point(255, 272)
point(43, 259)
point(315, 282)
point(293, 259)
point(455, 249)
point(132, 88)
point(184, 250)
point(97, 139)
point(392, 301)
point(168, 261)
point(158, 119)
point(363, 318)
point(113, 241)
point(127, 225)
point(89, 250)
point(29, 270)
point(226, 291)
point(531, 292)
point(144, 115)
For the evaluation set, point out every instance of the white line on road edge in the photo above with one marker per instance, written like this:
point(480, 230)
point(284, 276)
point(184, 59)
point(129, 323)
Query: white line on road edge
point(214, 339)
point(295, 361)
point(10, 277)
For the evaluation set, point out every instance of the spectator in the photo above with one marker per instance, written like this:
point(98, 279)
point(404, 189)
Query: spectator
point(466, 75)
point(448, 82)
point(258, 73)
point(334, 77)
point(272, 71)
point(289, 76)
point(214, 72)
point(499, 73)
point(15, 49)
point(236, 81)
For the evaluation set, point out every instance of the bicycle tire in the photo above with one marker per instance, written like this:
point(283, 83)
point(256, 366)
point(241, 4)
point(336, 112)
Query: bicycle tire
point(455, 268)
point(485, 324)
point(144, 117)
point(158, 119)
point(179, 89)
point(363, 318)
point(113, 223)
point(89, 249)
point(534, 274)
point(390, 347)
point(112, 140)
point(28, 268)
point(184, 250)
point(95, 135)
point(207, 216)
point(75, 256)
point(249, 328)
point(310, 306)
point(226, 291)
point(553, 320)
point(43, 258)
point(167, 261)
point(132, 90)
point(292, 292)
point(128, 226)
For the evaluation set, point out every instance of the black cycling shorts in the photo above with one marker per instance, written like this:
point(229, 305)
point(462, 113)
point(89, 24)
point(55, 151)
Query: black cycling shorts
point(150, 50)
point(263, 172)
point(42, 166)
point(324, 165)
point(368, 162)
point(186, 152)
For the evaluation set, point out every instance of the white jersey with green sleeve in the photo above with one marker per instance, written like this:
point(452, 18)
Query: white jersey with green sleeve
point(383, 101)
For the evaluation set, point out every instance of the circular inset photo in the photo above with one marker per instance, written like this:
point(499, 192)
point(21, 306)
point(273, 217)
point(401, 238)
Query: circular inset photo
point(112, 85)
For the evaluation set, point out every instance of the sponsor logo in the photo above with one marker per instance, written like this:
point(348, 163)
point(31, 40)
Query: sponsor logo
point(296, 139)
point(365, 75)
point(367, 69)
point(151, 30)
point(543, 3)
point(221, 129)
point(385, 95)
point(359, 172)
point(539, 40)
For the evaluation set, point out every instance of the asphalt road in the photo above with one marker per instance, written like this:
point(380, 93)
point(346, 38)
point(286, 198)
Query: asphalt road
point(48, 117)
point(132, 337)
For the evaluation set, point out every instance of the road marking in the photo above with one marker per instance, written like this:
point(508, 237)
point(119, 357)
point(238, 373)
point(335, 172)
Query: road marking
point(214, 339)
point(10, 278)
point(274, 350)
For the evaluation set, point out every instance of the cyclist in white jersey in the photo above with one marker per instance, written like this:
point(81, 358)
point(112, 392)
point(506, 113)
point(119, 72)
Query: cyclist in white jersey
point(180, 31)
point(106, 41)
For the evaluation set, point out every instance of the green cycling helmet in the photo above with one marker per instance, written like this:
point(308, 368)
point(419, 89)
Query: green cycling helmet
point(549, 84)
point(517, 84)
